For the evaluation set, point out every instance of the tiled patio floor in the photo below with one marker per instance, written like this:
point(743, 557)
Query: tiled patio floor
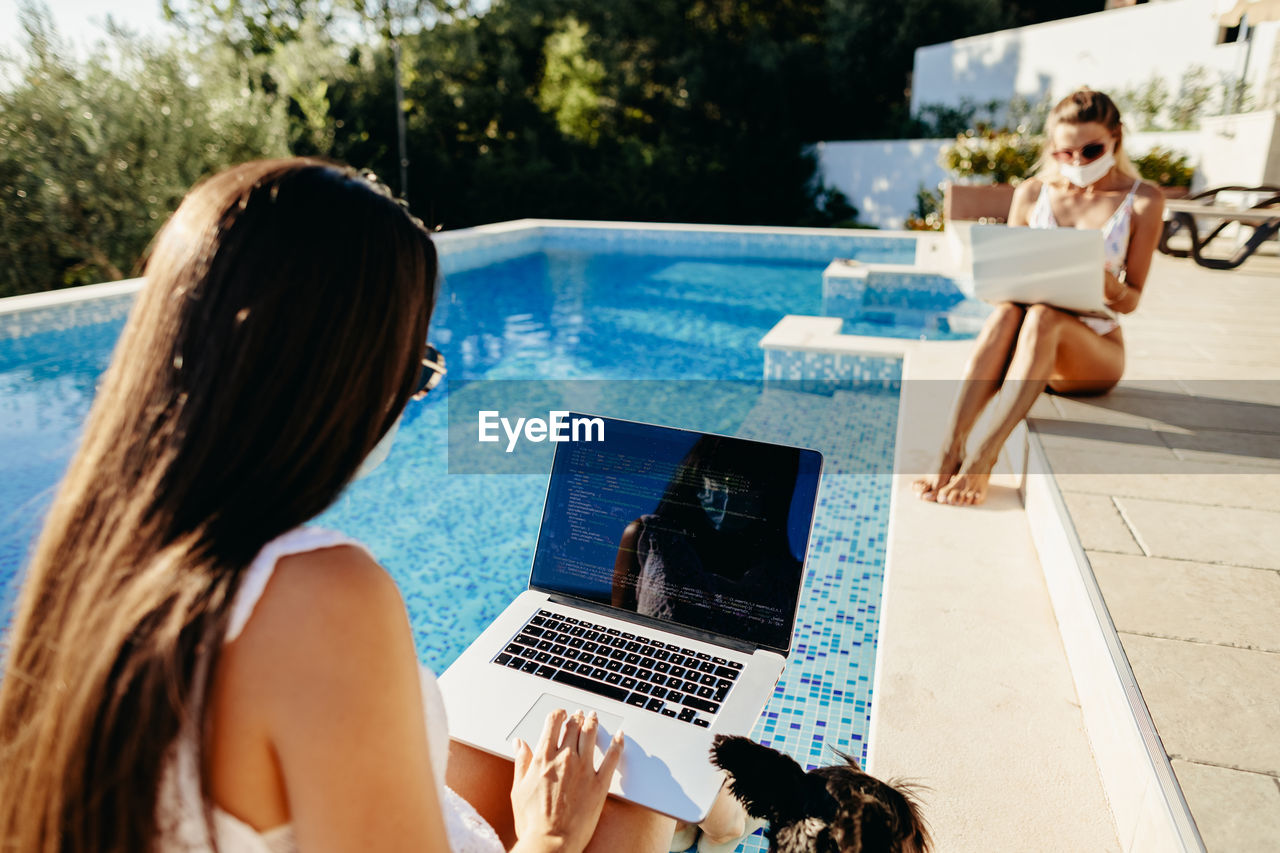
point(1173, 484)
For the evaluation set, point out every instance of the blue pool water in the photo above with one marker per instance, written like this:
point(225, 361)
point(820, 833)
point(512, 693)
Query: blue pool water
point(460, 545)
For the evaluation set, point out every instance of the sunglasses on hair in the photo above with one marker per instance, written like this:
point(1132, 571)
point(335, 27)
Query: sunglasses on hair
point(433, 371)
point(1088, 153)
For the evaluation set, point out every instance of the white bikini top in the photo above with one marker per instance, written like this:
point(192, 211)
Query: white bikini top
point(1115, 231)
point(179, 806)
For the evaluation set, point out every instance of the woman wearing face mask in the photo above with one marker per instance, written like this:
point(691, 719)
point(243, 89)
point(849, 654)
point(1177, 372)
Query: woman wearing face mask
point(1085, 180)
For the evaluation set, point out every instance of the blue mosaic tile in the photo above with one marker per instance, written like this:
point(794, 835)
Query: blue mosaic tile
point(470, 249)
point(903, 302)
point(779, 245)
point(826, 372)
point(824, 699)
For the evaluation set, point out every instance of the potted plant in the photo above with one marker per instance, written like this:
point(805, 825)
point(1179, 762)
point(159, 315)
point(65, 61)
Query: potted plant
point(986, 165)
point(1167, 168)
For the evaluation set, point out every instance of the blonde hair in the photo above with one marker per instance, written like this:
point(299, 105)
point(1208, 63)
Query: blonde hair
point(1084, 106)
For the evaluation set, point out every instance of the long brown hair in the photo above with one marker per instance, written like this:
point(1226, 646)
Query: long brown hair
point(275, 341)
point(1084, 106)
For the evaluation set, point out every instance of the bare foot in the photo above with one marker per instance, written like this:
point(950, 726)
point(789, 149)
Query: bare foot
point(926, 488)
point(969, 486)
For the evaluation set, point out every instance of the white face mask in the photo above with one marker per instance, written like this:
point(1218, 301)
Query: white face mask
point(1088, 173)
point(714, 498)
point(380, 452)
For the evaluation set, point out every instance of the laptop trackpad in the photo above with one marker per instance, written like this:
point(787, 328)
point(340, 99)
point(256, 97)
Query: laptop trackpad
point(529, 729)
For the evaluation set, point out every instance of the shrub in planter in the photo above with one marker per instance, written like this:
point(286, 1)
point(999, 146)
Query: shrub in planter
point(928, 212)
point(991, 156)
point(1165, 167)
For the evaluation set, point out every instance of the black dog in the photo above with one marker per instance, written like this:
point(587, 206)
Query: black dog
point(828, 810)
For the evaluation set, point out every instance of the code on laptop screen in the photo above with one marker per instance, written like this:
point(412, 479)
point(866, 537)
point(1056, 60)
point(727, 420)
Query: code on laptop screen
point(701, 530)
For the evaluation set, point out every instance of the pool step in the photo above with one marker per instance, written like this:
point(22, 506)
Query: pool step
point(910, 297)
point(850, 286)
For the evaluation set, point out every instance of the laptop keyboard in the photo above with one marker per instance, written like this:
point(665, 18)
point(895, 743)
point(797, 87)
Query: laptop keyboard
point(659, 677)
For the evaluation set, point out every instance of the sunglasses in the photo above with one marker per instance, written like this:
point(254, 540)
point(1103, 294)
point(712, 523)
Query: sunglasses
point(433, 371)
point(1088, 153)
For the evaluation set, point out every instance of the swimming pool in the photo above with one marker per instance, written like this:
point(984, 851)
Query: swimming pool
point(677, 315)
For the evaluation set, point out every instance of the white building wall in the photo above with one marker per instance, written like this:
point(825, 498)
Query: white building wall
point(1239, 150)
point(881, 177)
point(1110, 50)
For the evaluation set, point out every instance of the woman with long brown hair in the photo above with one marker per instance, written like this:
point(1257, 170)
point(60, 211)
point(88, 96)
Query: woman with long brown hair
point(191, 668)
point(1085, 180)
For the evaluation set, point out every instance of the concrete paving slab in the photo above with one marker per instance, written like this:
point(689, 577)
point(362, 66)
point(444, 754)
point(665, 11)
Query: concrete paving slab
point(1239, 347)
point(1235, 811)
point(1212, 704)
point(1262, 377)
point(1232, 536)
point(1182, 600)
point(1044, 407)
point(1099, 524)
point(1257, 450)
point(1120, 449)
point(1193, 406)
point(1256, 390)
point(1087, 410)
point(1179, 481)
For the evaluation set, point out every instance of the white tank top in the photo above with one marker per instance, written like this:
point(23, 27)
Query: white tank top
point(179, 806)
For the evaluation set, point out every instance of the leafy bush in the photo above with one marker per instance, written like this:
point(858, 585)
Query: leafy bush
point(95, 155)
point(1000, 156)
point(1153, 105)
point(928, 212)
point(1166, 167)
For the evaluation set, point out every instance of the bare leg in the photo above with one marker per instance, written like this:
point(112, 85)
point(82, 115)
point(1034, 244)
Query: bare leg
point(1052, 346)
point(484, 780)
point(982, 377)
point(627, 828)
point(727, 819)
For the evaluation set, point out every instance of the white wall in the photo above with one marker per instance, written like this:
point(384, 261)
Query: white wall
point(1109, 50)
point(1240, 150)
point(881, 177)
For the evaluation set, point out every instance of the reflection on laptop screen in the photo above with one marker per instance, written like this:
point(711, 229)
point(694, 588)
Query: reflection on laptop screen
point(702, 530)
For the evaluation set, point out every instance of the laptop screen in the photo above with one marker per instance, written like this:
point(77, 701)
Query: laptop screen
point(700, 530)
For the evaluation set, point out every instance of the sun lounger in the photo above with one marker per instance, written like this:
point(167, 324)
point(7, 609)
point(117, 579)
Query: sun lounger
point(1204, 210)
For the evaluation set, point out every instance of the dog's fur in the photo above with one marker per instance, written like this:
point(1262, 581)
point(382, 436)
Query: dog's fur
point(837, 809)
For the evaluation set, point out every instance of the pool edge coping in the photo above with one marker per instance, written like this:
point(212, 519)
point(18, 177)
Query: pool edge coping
point(1116, 715)
point(68, 295)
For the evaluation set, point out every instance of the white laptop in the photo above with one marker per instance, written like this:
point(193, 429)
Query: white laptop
point(1054, 266)
point(662, 596)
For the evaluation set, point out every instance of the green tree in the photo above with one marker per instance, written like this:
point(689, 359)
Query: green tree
point(94, 155)
point(570, 83)
point(677, 110)
point(252, 27)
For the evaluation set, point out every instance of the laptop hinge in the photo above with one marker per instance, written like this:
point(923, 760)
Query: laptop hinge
point(660, 624)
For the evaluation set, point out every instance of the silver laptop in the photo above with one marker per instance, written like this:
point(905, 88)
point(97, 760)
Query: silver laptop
point(662, 596)
point(1054, 266)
